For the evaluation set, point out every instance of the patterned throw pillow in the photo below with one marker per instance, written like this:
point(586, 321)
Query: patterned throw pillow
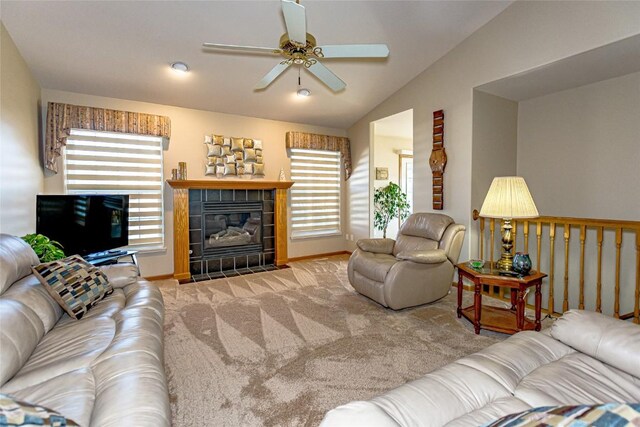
point(74, 283)
point(16, 413)
point(606, 414)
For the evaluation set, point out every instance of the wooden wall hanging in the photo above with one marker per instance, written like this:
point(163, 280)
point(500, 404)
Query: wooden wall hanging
point(438, 160)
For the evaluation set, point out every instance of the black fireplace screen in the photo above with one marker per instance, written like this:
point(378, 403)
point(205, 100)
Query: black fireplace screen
point(232, 229)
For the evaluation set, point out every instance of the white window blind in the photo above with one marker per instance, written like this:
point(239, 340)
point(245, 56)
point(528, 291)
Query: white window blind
point(315, 196)
point(117, 163)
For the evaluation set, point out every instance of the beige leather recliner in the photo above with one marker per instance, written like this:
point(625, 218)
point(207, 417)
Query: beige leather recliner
point(416, 268)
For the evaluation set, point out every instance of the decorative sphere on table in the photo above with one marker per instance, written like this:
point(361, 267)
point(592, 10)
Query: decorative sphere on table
point(521, 263)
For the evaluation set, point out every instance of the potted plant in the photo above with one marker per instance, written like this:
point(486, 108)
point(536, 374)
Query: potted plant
point(46, 249)
point(389, 202)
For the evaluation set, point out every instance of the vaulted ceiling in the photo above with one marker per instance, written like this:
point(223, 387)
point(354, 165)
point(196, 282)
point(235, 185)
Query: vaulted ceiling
point(123, 49)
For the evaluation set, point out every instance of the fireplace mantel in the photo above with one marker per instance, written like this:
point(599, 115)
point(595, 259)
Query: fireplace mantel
point(181, 189)
point(235, 184)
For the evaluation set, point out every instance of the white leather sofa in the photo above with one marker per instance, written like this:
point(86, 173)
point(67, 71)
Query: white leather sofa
point(103, 370)
point(585, 358)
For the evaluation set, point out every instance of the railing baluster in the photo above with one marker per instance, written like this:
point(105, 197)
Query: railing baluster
point(583, 237)
point(599, 279)
point(621, 286)
point(481, 238)
point(567, 236)
point(616, 304)
point(636, 308)
point(539, 237)
point(552, 250)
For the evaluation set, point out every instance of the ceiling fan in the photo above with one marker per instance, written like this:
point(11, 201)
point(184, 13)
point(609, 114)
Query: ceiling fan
point(299, 47)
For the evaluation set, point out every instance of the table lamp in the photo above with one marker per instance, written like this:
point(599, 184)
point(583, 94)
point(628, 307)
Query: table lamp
point(508, 198)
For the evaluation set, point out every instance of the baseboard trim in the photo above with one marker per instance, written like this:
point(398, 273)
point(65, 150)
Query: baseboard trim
point(307, 257)
point(160, 277)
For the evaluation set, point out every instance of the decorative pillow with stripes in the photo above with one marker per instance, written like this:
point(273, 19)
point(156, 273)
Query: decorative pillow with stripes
point(74, 283)
point(604, 414)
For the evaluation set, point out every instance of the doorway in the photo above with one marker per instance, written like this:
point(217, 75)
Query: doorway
point(391, 160)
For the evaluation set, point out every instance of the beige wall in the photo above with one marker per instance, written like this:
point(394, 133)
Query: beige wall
point(495, 135)
point(386, 156)
point(579, 150)
point(188, 128)
point(526, 35)
point(20, 171)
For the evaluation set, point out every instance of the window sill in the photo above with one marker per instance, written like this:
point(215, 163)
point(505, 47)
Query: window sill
point(315, 235)
point(147, 250)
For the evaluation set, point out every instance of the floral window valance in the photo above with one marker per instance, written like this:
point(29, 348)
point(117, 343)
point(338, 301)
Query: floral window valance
point(61, 118)
point(312, 141)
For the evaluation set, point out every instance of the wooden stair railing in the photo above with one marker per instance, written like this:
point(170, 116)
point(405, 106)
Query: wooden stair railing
point(562, 227)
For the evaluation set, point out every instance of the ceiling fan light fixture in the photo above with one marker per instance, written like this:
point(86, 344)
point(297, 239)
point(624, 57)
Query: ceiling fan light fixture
point(180, 67)
point(303, 92)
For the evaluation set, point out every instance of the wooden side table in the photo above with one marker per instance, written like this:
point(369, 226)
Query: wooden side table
point(505, 320)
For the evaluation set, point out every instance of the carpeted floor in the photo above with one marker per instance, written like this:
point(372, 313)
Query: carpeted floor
point(281, 348)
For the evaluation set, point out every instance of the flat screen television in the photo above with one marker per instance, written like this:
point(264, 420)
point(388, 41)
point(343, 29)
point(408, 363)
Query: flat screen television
point(84, 224)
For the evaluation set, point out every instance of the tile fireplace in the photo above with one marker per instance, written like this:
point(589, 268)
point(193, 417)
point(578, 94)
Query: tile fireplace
point(230, 231)
point(228, 227)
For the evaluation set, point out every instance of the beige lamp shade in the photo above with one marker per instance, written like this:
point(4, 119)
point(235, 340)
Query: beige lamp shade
point(509, 197)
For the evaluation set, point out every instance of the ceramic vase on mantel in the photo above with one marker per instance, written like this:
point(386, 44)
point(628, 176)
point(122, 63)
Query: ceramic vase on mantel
point(282, 176)
point(521, 263)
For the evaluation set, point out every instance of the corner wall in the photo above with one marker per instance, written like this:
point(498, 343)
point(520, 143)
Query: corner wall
point(579, 150)
point(21, 176)
point(495, 135)
point(525, 36)
point(188, 128)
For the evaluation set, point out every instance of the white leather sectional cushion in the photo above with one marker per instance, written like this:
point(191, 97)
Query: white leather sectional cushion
point(440, 396)
point(32, 294)
point(144, 295)
point(577, 379)
point(108, 307)
point(136, 330)
point(604, 338)
point(16, 259)
point(64, 350)
point(71, 394)
point(17, 342)
point(121, 274)
point(358, 414)
point(129, 387)
point(506, 363)
point(494, 410)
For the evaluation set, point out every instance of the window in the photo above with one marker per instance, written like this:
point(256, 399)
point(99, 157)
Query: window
point(315, 196)
point(118, 163)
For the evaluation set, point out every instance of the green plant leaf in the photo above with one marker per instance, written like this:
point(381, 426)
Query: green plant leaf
point(46, 250)
point(389, 202)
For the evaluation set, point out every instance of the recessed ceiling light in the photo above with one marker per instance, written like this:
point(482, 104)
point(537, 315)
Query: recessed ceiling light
point(179, 67)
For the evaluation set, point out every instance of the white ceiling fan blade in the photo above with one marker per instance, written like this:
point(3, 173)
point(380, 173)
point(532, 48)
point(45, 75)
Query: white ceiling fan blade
point(253, 49)
point(296, 21)
point(272, 75)
point(327, 77)
point(355, 51)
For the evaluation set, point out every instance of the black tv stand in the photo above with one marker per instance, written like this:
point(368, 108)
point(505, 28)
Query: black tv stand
point(110, 257)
